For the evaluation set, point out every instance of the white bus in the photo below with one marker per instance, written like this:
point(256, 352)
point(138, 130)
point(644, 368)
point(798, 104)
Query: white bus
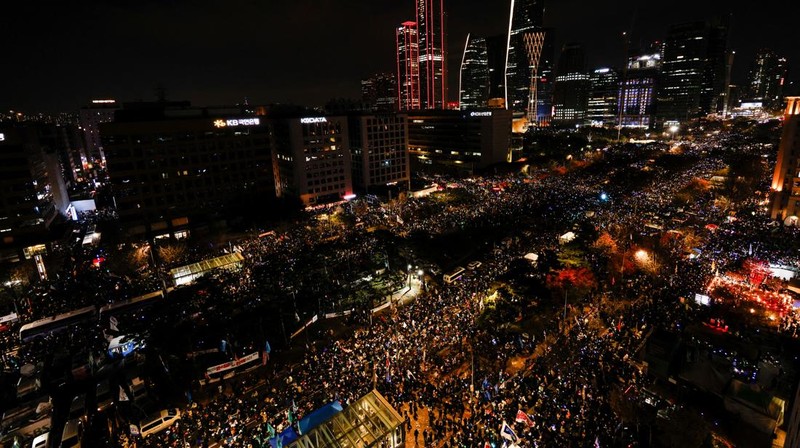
point(454, 275)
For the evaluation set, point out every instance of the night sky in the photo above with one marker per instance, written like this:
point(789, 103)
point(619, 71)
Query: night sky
point(59, 55)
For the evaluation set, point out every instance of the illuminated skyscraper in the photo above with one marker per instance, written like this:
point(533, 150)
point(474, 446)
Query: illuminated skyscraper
point(786, 180)
point(766, 80)
point(408, 93)
point(474, 76)
point(528, 59)
point(694, 71)
point(571, 91)
point(432, 53)
point(637, 97)
point(603, 97)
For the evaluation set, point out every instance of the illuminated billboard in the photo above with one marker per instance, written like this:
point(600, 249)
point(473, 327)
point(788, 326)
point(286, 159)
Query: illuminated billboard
point(312, 120)
point(236, 122)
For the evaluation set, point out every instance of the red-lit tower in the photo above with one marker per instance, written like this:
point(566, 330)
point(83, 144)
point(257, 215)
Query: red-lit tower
point(408, 80)
point(432, 53)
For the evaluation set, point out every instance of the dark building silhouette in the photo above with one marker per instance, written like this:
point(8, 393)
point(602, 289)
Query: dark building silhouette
point(33, 195)
point(694, 73)
point(766, 79)
point(571, 90)
point(379, 92)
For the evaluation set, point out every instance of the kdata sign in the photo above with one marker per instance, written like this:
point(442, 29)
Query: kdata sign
point(236, 122)
point(312, 120)
point(480, 114)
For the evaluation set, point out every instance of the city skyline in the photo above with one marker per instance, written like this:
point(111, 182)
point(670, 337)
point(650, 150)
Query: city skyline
point(76, 53)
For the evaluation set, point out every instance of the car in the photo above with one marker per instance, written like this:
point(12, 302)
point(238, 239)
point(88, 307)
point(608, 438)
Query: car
point(77, 409)
point(474, 265)
point(104, 399)
point(41, 441)
point(72, 435)
point(159, 421)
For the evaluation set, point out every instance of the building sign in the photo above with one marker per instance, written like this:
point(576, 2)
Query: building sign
point(2, 137)
point(235, 122)
point(104, 101)
point(312, 120)
point(480, 114)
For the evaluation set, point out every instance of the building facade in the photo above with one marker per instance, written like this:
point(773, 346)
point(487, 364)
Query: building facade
point(786, 179)
point(571, 90)
point(408, 88)
point(603, 98)
point(637, 93)
point(173, 166)
point(474, 75)
point(459, 141)
point(33, 192)
point(694, 71)
point(91, 117)
point(766, 80)
point(311, 158)
point(522, 58)
point(379, 92)
point(379, 151)
point(432, 53)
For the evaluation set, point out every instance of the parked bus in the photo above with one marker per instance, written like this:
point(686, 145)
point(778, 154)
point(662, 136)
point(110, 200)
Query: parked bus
point(128, 305)
point(43, 327)
point(454, 275)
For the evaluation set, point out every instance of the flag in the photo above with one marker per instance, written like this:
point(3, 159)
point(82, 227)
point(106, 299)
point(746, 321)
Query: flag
point(508, 433)
point(597, 442)
point(271, 430)
point(522, 417)
point(487, 445)
point(267, 348)
point(290, 416)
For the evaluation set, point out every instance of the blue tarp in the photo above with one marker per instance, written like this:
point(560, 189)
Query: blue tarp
point(319, 416)
point(287, 436)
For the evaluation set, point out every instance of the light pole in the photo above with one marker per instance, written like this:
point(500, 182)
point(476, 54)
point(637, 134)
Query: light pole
point(566, 289)
point(673, 129)
point(408, 272)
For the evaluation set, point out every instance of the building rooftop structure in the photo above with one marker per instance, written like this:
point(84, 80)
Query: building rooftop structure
point(370, 421)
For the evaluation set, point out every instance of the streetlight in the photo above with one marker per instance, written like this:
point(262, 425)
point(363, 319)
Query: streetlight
point(673, 129)
point(408, 271)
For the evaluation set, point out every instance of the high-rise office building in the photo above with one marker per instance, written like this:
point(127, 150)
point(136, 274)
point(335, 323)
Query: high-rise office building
point(571, 90)
point(311, 158)
point(379, 92)
point(603, 97)
point(529, 62)
point(786, 180)
point(523, 53)
point(91, 116)
point(459, 141)
point(766, 80)
point(637, 96)
point(408, 81)
point(33, 192)
point(172, 166)
point(496, 56)
point(379, 148)
point(474, 75)
point(694, 71)
point(432, 53)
